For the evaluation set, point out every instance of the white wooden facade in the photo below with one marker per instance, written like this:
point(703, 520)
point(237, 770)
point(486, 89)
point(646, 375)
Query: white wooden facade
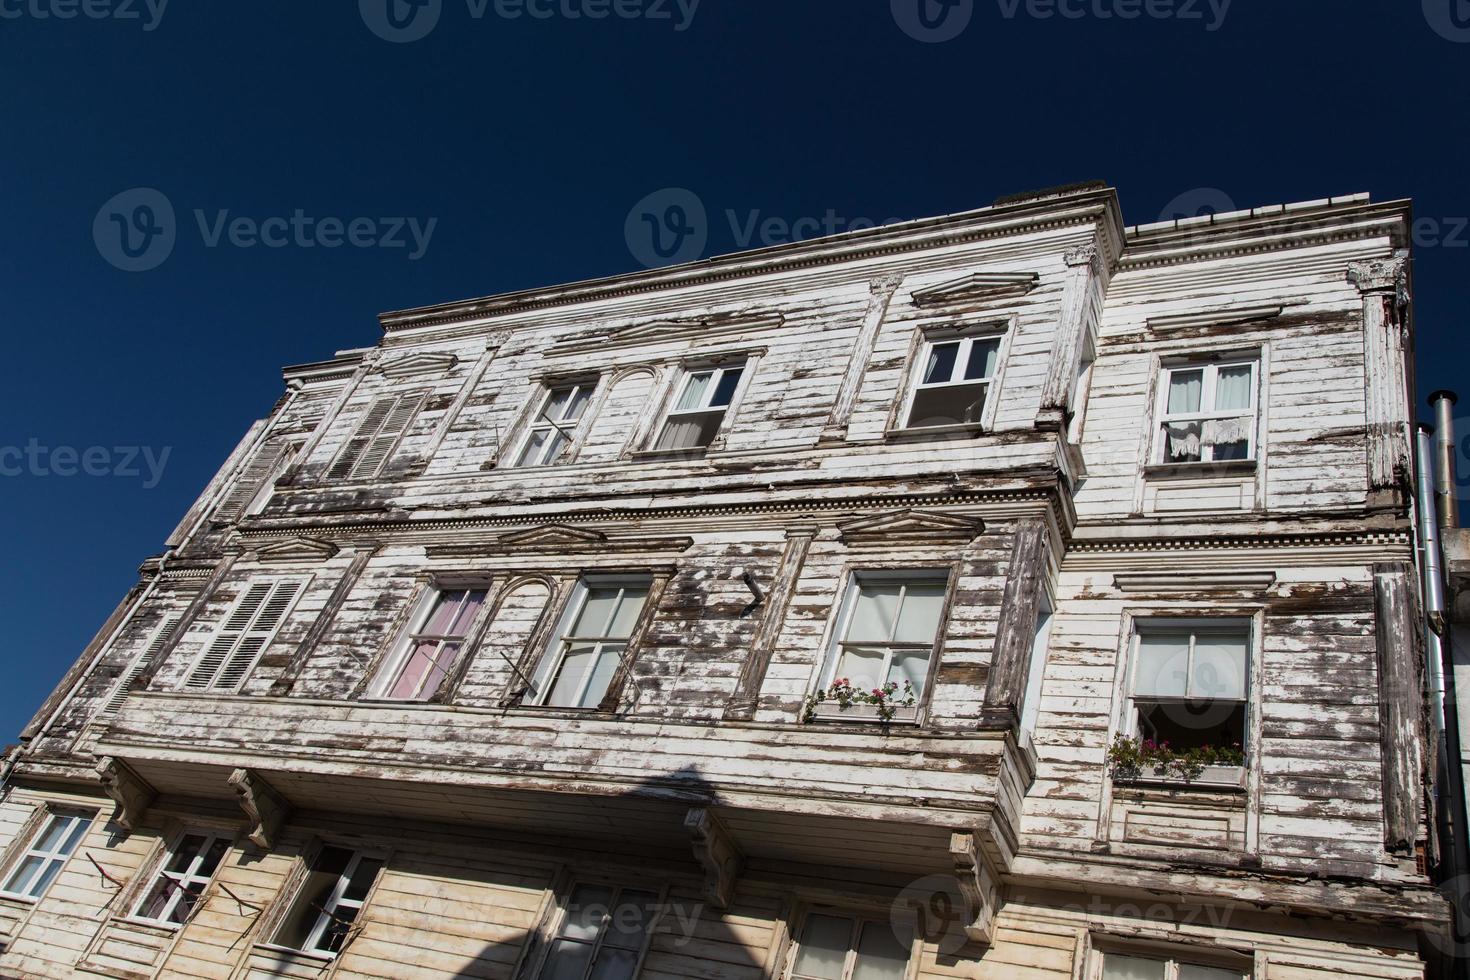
point(357, 666)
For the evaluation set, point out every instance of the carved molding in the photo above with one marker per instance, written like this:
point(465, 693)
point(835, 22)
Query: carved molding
point(424, 362)
point(886, 285)
point(1088, 254)
point(1381, 276)
point(978, 285)
point(1216, 318)
point(297, 549)
point(129, 791)
point(1195, 582)
point(677, 328)
point(553, 534)
point(910, 527)
point(979, 885)
point(556, 538)
point(265, 808)
point(716, 853)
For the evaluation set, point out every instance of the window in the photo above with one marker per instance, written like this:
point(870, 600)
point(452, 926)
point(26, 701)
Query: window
point(160, 639)
point(704, 399)
point(602, 934)
point(427, 654)
point(1117, 966)
point(43, 860)
point(329, 901)
point(1031, 702)
point(1208, 413)
point(555, 425)
point(844, 947)
point(888, 630)
point(245, 633)
point(178, 883)
point(1189, 683)
point(953, 381)
point(590, 642)
point(1081, 392)
point(377, 435)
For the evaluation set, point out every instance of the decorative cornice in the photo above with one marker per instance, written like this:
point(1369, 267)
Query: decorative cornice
point(1088, 254)
point(682, 328)
point(977, 286)
point(1323, 539)
point(1195, 582)
point(1381, 276)
point(265, 808)
point(130, 793)
point(423, 362)
point(558, 538)
point(1213, 318)
point(909, 527)
point(297, 549)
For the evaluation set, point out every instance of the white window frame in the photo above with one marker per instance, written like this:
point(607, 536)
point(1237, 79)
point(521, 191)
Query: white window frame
point(556, 651)
point(563, 908)
point(717, 372)
point(1046, 616)
point(48, 856)
point(181, 879)
point(1210, 374)
point(839, 639)
point(392, 667)
point(1171, 959)
point(859, 920)
point(334, 901)
point(1193, 627)
point(539, 422)
point(1081, 392)
point(967, 341)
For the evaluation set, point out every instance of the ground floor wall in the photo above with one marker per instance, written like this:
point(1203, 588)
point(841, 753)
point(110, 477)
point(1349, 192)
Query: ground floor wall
point(458, 902)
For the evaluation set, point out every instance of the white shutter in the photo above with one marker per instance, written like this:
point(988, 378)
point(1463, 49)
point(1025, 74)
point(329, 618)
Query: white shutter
point(243, 635)
point(120, 692)
point(377, 434)
point(251, 478)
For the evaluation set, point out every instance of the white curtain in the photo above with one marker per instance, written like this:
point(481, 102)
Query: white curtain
point(1223, 432)
point(1185, 389)
point(1233, 389)
point(1184, 441)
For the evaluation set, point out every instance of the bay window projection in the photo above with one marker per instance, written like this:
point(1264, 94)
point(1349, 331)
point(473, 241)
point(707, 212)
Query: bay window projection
point(1208, 413)
point(1190, 683)
point(602, 934)
point(591, 639)
point(888, 631)
point(42, 860)
point(329, 901)
point(845, 947)
point(428, 653)
point(555, 425)
point(186, 872)
point(953, 381)
point(704, 400)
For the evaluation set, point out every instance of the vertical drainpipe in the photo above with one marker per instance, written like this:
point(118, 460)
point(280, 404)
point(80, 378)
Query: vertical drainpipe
point(1446, 483)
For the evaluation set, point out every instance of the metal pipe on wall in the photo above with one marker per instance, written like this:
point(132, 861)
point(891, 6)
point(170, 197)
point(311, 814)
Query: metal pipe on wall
point(1446, 483)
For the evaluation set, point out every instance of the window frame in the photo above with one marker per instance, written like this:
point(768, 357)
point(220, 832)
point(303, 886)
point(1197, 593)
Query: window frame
point(717, 367)
point(1210, 368)
point(966, 335)
point(554, 651)
point(562, 897)
point(859, 918)
point(534, 423)
point(303, 585)
point(159, 869)
point(409, 633)
point(1172, 956)
point(297, 893)
point(25, 847)
point(1046, 619)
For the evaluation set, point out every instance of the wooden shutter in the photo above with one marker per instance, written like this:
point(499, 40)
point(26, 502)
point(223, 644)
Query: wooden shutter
point(251, 478)
point(377, 434)
point(120, 692)
point(243, 635)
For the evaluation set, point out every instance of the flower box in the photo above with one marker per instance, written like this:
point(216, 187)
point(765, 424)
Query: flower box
point(832, 711)
point(1209, 777)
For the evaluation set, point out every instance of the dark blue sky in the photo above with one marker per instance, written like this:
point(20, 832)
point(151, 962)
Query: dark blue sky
point(531, 139)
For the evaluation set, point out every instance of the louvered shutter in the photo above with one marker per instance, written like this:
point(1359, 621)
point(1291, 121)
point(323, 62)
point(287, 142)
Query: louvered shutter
point(120, 692)
point(379, 431)
point(243, 635)
point(250, 480)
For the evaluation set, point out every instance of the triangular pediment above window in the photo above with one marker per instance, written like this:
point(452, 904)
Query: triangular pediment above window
point(552, 535)
point(672, 329)
point(977, 285)
point(425, 362)
point(297, 549)
point(907, 526)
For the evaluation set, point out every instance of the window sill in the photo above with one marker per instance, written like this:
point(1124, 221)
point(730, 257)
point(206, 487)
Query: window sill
point(699, 452)
point(863, 714)
point(24, 900)
point(1230, 778)
point(294, 955)
point(1199, 471)
point(971, 429)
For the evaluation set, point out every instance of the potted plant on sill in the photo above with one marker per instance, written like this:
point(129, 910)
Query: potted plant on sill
point(1132, 760)
point(882, 703)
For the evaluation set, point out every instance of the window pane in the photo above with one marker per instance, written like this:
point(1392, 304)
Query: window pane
point(55, 833)
point(415, 671)
point(628, 609)
point(1219, 666)
point(597, 611)
point(587, 907)
point(603, 670)
point(919, 620)
point(941, 363)
point(881, 955)
point(212, 858)
point(1188, 971)
point(694, 392)
point(911, 666)
point(578, 404)
point(862, 667)
point(469, 608)
point(556, 404)
point(156, 900)
point(48, 875)
point(725, 391)
point(983, 357)
point(823, 948)
point(337, 928)
point(568, 683)
point(1233, 388)
point(630, 920)
point(615, 964)
point(1117, 967)
point(567, 961)
point(954, 405)
point(446, 606)
point(1185, 388)
point(1163, 665)
point(21, 877)
point(532, 455)
point(1182, 442)
point(691, 431)
point(874, 616)
point(188, 850)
